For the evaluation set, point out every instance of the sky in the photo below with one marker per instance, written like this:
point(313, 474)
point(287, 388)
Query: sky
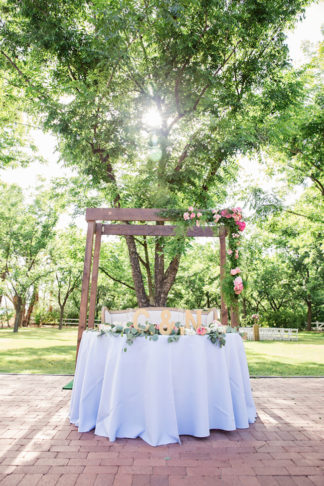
point(309, 30)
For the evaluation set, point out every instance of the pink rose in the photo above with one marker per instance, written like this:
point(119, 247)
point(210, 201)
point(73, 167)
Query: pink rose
point(229, 252)
point(201, 330)
point(186, 216)
point(192, 215)
point(217, 217)
point(199, 215)
point(241, 225)
point(190, 208)
point(236, 270)
point(238, 285)
point(224, 212)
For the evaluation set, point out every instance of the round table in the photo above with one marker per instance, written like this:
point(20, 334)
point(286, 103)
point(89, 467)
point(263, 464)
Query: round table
point(158, 390)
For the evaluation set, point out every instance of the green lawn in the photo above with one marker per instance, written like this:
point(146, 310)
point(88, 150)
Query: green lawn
point(48, 350)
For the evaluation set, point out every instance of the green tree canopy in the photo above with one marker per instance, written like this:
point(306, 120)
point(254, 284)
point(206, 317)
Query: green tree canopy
point(211, 72)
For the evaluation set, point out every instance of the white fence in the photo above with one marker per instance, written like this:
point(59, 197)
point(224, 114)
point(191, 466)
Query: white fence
point(271, 334)
point(319, 326)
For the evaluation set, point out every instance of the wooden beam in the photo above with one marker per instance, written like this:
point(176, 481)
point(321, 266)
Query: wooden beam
point(155, 230)
point(222, 243)
point(94, 279)
point(124, 214)
point(85, 282)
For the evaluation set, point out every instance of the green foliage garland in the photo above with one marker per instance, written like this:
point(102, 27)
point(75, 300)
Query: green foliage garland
point(231, 218)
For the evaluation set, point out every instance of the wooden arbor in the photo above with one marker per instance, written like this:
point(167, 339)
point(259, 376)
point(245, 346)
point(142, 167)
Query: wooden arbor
point(96, 229)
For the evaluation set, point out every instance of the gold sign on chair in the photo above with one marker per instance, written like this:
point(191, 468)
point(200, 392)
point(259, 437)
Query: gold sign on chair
point(191, 320)
point(136, 316)
point(167, 325)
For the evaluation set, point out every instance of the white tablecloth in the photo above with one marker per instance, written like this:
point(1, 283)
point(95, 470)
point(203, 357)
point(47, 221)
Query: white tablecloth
point(158, 390)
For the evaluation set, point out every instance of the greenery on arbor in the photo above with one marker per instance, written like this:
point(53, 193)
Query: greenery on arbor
point(152, 101)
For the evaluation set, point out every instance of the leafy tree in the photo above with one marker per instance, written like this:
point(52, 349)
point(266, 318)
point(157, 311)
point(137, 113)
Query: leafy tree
point(67, 254)
point(209, 71)
point(26, 230)
point(296, 136)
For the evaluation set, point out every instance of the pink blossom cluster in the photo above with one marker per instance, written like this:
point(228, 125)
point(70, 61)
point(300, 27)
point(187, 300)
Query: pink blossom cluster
point(190, 214)
point(238, 285)
point(255, 317)
point(201, 330)
point(236, 270)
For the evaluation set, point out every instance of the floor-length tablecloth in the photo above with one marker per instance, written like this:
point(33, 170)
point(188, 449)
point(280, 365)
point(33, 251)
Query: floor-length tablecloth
point(158, 390)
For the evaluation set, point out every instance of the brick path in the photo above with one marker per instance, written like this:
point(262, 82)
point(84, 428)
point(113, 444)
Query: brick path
point(39, 446)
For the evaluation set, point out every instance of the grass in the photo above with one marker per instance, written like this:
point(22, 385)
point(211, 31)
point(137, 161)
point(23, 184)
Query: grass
point(48, 350)
point(45, 350)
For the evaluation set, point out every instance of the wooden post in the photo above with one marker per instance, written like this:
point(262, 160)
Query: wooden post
point(222, 244)
point(94, 279)
point(85, 282)
point(256, 332)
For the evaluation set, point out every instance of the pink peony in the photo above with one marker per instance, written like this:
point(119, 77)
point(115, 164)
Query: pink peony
point(201, 330)
point(241, 225)
point(190, 208)
point(199, 215)
point(186, 216)
point(217, 217)
point(229, 252)
point(192, 215)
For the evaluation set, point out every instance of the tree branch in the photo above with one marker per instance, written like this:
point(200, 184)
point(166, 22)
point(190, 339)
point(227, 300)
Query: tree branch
point(116, 279)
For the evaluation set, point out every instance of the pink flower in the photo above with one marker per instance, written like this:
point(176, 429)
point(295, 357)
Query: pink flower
point(229, 252)
point(217, 217)
point(236, 254)
point(238, 285)
point(199, 215)
point(214, 211)
point(236, 270)
point(186, 216)
point(192, 215)
point(224, 212)
point(228, 216)
point(201, 330)
point(197, 223)
point(190, 209)
point(241, 225)
point(157, 326)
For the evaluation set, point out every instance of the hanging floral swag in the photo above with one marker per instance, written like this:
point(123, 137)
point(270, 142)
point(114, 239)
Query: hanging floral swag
point(231, 218)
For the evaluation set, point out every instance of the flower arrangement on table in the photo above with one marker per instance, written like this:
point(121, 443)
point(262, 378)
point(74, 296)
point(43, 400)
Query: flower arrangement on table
point(215, 332)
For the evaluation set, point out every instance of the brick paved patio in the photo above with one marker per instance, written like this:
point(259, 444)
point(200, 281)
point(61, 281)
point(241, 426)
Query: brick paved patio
point(39, 446)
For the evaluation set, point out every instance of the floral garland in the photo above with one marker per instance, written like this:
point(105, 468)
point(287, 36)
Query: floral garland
point(232, 219)
point(215, 332)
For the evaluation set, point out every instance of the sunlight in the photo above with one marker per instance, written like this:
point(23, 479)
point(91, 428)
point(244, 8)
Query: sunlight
point(152, 118)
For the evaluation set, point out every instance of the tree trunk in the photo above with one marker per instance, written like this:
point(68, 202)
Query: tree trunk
point(309, 313)
point(19, 311)
point(142, 298)
point(33, 301)
point(61, 316)
point(168, 281)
